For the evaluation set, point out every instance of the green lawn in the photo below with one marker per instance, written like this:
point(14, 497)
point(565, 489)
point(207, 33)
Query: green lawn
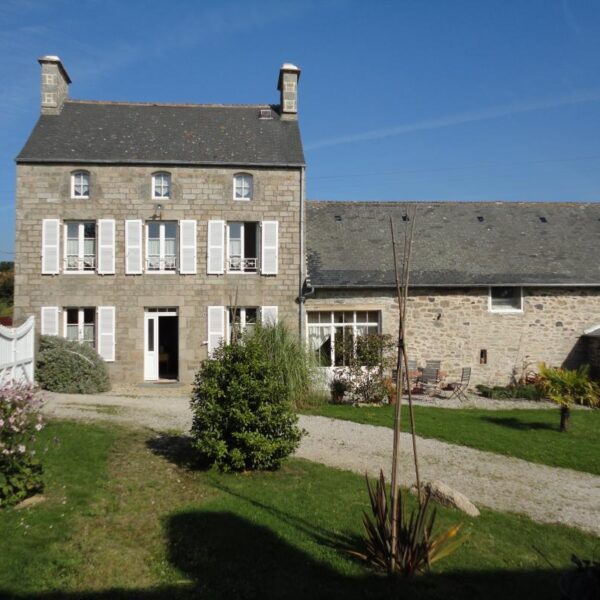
point(139, 522)
point(529, 434)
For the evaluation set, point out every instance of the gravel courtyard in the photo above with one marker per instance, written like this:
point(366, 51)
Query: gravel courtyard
point(546, 494)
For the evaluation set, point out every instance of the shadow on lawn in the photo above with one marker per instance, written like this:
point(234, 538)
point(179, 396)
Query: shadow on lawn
point(222, 555)
point(515, 423)
point(177, 449)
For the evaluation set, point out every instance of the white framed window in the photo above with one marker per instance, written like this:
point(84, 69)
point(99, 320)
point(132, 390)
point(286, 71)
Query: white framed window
point(240, 319)
point(80, 185)
point(242, 247)
point(161, 186)
point(505, 299)
point(80, 325)
point(161, 246)
point(242, 186)
point(331, 334)
point(80, 246)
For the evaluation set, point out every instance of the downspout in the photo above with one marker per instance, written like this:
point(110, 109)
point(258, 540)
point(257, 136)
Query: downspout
point(301, 262)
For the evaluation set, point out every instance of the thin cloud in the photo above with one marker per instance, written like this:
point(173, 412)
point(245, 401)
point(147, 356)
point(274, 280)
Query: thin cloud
point(484, 114)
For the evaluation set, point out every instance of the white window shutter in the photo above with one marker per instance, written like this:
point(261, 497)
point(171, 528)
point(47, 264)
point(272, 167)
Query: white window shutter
point(133, 247)
point(216, 327)
point(106, 333)
point(268, 315)
point(106, 246)
point(216, 248)
point(49, 321)
point(50, 246)
point(187, 247)
point(270, 250)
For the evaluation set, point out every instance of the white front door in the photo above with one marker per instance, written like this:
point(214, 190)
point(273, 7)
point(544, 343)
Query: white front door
point(150, 346)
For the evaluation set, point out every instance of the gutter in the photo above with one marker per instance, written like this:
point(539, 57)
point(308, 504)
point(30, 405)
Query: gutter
point(455, 285)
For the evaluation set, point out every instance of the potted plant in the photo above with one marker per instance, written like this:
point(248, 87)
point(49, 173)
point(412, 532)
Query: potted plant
point(339, 386)
point(390, 389)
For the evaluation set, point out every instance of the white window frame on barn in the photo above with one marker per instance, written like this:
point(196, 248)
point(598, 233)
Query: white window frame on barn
point(243, 187)
point(161, 185)
point(321, 328)
point(84, 328)
point(80, 185)
point(502, 304)
point(79, 251)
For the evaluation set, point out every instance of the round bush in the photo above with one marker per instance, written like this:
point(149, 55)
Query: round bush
point(70, 367)
point(243, 417)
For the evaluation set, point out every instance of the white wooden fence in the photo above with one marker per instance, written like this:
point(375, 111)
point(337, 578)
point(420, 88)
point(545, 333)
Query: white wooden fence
point(17, 352)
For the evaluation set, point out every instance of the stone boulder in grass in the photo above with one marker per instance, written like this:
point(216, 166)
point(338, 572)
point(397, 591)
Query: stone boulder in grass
point(70, 367)
point(443, 494)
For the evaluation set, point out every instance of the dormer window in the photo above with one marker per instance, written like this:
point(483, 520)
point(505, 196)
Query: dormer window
point(161, 186)
point(242, 186)
point(80, 184)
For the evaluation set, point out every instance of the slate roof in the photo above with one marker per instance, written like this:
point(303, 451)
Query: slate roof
point(349, 244)
point(112, 132)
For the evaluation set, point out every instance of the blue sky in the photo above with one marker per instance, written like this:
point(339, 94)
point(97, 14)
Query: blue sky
point(403, 100)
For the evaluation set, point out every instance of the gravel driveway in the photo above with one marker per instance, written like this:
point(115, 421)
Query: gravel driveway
point(546, 494)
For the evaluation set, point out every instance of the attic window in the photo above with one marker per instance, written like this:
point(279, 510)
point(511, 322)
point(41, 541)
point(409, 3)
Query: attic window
point(480, 219)
point(505, 299)
point(265, 113)
point(161, 186)
point(80, 184)
point(543, 219)
point(242, 186)
point(338, 218)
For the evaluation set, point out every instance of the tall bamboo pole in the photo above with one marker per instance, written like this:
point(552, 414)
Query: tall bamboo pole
point(397, 411)
point(402, 281)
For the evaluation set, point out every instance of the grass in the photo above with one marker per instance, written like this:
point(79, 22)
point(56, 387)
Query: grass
point(141, 523)
point(528, 434)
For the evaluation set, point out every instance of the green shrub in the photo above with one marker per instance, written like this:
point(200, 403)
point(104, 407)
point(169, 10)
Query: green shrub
point(20, 420)
point(70, 367)
point(243, 416)
point(525, 391)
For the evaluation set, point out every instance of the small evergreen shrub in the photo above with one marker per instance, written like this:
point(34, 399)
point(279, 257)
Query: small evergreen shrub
point(70, 367)
point(521, 391)
point(20, 420)
point(243, 415)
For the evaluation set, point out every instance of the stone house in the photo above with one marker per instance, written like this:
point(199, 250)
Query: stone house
point(147, 229)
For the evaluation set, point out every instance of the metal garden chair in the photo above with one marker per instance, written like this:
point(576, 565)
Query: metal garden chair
point(458, 388)
point(429, 380)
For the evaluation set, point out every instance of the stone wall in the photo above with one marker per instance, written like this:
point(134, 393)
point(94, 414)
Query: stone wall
point(455, 325)
point(124, 192)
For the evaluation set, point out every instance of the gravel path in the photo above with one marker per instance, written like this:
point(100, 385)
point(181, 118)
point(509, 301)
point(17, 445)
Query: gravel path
point(545, 494)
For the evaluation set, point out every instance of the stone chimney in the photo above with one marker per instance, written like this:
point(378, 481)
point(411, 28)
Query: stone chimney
point(288, 87)
point(55, 85)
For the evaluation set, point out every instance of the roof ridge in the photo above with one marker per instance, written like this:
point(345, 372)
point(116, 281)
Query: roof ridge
point(173, 104)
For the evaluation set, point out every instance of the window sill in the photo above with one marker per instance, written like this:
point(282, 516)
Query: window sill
point(80, 197)
point(159, 273)
point(80, 272)
point(506, 311)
